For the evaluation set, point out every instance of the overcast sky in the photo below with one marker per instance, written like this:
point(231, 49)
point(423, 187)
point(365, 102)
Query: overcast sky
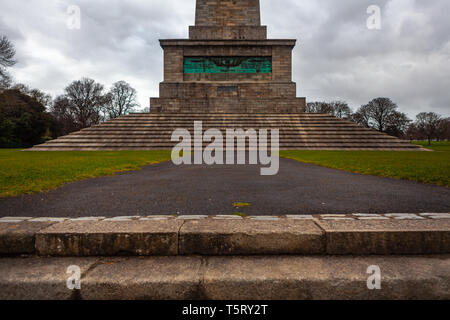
point(337, 56)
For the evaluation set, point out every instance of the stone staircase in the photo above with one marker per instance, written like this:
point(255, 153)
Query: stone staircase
point(152, 131)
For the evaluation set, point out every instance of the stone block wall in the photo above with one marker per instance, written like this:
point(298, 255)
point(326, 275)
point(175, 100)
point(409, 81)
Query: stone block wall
point(281, 53)
point(281, 63)
point(228, 105)
point(228, 33)
point(173, 64)
point(228, 13)
point(218, 90)
point(228, 28)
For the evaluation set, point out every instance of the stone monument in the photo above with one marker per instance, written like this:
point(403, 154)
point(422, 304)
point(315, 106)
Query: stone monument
point(227, 75)
point(228, 65)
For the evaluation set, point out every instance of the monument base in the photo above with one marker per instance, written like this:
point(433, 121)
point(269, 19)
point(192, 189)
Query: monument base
point(153, 131)
point(228, 105)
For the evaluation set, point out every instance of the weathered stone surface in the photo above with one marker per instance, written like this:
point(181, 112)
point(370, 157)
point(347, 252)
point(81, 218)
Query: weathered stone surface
point(297, 131)
point(228, 235)
point(72, 238)
point(199, 90)
point(235, 237)
point(38, 278)
point(229, 29)
point(387, 236)
point(227, 278)
point(228, 32)
point(19, 238)
point(157, 278)
point(228, 13)
point(319, 278)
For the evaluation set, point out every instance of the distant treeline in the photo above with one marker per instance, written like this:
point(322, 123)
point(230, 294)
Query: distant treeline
point(382, 115)
point(30, 116)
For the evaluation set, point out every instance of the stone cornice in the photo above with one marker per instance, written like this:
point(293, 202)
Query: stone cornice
point(187, 42)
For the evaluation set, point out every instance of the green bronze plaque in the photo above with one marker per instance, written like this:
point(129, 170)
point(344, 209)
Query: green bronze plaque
point(227, 64)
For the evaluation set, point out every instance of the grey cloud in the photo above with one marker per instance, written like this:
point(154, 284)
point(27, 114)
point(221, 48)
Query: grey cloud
point(337, 56)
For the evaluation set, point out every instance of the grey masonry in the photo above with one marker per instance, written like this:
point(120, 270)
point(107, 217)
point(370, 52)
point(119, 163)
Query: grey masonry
point(228, 29)
point(228, 75)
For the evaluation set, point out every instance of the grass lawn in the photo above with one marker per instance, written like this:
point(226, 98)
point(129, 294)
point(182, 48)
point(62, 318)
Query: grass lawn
point(29, 172)
point(426, 167)
point(437, 146)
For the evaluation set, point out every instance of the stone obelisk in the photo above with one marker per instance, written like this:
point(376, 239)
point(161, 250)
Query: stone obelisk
point(228, 65)
point(227, 75)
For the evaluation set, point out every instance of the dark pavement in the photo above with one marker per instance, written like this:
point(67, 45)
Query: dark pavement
point(165, 189)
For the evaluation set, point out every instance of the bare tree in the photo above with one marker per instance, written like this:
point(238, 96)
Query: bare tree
point(412, 133)
point(427, 124)
point(63, 113)
point(341, 109)
point(362, 116)
point(5, 80)
point(86, 99)
point(381, 114)
point(397, 124)
point(312, 107)
point(380, 111)
point(7, 53)
point(319, 107)
point(338, 109)
point(122, 100)
point(445, 129)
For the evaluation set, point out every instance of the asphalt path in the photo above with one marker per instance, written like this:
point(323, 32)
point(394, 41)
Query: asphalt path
point(166, 189)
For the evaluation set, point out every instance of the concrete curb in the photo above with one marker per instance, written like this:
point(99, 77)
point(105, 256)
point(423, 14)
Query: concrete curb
point(356, 234)
point(227, 278)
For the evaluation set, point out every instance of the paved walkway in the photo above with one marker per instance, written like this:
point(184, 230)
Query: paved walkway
point(165, 189)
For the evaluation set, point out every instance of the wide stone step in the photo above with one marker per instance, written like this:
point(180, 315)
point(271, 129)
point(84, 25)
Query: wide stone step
point(225, 115)
point(168, 133)
point(282, 136)
point(297, 131)
point(287, 131)
point(285, 128)
point(188, 116)
point(160, 140)
point(227, 257)
point(250, 119)
point(226, 119)
point(242, 119)
point(220, 114)
point(226, 278)
point(282, 145)
point(350, 234)
point(38, 149)
point(168, 138)
point(229, 125)
point(231, 121)
point(228, 114)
